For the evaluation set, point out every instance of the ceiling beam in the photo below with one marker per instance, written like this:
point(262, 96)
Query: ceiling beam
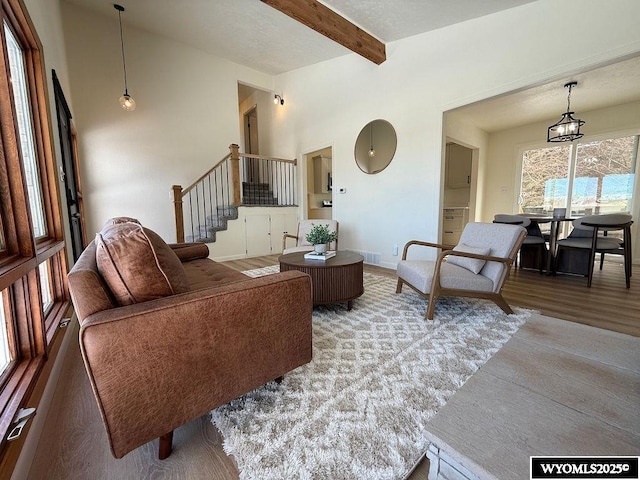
point(327, 22)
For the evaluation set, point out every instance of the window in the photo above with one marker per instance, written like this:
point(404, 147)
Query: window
point(588, 177)
point(33, 296)
point(27, 146)
point(5, 352)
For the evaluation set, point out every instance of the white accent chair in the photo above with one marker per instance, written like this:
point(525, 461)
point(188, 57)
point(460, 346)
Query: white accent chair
point(304, 227)
point(477, 267)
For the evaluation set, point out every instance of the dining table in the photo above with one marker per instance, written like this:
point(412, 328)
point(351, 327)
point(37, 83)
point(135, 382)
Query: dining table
point(555, 222)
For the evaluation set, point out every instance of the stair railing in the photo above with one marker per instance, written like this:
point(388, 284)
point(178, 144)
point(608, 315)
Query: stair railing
point(237, 179)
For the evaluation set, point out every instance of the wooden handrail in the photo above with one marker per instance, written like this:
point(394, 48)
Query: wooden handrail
point(193, 185)
point(263, 157)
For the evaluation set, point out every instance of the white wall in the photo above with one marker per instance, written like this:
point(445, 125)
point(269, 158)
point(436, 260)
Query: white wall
point(185, 120)
point(423, 77)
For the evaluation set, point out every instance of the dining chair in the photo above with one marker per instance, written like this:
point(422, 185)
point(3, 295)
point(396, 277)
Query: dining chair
point(586, 238)
point(477, 267)
point(304, 227)
point(534, 242)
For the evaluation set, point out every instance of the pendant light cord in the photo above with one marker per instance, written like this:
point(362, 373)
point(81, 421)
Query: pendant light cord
point(124, 63)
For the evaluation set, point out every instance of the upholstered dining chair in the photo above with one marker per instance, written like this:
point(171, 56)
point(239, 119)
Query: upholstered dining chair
point(585, 237)
point(477, 267)
point(533, 241)
point(304, 227)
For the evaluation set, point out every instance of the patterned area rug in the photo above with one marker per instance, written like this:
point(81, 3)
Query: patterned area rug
point(379, 373)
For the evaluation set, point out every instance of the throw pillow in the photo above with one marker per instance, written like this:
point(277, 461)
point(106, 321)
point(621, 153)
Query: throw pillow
point(137, 265)
point(472, 264)
point(116, 220)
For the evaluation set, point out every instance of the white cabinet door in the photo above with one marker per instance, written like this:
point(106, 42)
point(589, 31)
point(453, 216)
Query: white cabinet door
point(264, 232)
point(258, 235)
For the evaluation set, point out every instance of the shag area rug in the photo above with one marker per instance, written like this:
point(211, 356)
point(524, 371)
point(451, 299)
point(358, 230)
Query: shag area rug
point(379, 372)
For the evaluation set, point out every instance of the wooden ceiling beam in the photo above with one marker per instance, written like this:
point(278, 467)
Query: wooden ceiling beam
point(327, 22)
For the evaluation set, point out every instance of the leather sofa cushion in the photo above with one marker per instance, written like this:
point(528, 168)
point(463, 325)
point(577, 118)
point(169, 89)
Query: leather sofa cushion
point(190, 251)
point(204, 273)
point(137, 265)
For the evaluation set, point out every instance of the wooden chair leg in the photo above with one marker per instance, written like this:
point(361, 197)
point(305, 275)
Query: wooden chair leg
point(601, 260)
point(541, 249)
point(431, 308)
point(399, 286)
point(279, 379)
point(502, 303)
point(165, 445)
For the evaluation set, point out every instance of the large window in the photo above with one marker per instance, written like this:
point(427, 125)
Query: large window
point(585, 178)
point(33, 296)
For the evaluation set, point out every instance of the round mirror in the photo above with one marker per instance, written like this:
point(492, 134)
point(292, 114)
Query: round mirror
point(375, 146)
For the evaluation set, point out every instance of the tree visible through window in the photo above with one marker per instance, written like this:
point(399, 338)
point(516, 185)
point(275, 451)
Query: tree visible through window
point(590, 177)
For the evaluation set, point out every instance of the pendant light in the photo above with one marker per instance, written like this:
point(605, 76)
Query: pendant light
point(372, 152)
point(126, 101)
point(568, 128)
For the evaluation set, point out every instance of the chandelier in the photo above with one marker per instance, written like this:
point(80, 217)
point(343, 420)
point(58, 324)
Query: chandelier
point(568, 128)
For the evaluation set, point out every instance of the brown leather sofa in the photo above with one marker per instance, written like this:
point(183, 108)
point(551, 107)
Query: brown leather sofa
point(167, 334)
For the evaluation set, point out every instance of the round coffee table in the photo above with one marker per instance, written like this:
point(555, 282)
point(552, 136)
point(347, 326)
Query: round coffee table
point(336, 280)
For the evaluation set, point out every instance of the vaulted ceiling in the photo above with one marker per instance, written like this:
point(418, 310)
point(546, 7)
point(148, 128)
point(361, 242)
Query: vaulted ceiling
point(254, 34)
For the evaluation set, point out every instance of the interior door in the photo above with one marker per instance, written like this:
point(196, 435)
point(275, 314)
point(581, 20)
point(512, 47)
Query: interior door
point(69, 173)
point(258, 235)
point(252, 173)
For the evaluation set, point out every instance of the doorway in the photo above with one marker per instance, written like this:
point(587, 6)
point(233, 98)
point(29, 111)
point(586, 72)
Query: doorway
point(251, 145)
point(319, 184)
point(69, 170)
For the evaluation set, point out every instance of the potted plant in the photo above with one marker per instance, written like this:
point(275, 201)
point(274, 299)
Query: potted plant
point(319, 237)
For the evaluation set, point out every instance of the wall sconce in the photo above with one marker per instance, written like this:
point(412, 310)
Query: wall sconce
point(126, 101)
point(277, 99)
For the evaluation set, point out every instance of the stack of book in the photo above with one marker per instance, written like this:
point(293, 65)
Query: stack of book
point(319, 256)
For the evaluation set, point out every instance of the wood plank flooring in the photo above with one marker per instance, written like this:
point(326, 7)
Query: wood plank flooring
point(73, 444)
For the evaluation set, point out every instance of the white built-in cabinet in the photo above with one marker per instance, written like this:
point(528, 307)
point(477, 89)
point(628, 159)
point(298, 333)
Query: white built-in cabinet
point(457, 166)
point(453, 222)
point(264, 232)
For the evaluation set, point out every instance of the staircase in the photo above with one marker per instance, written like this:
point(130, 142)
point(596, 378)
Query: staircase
point(204, 208)
point(257, 194)
point(215, 223)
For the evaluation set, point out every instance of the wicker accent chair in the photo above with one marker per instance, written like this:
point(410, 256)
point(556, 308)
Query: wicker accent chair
point(477, 267)
point(533, 241)
point(304, 227)
point(585, 238)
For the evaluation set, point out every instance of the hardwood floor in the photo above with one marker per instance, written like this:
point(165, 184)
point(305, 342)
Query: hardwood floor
point(73, 444)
